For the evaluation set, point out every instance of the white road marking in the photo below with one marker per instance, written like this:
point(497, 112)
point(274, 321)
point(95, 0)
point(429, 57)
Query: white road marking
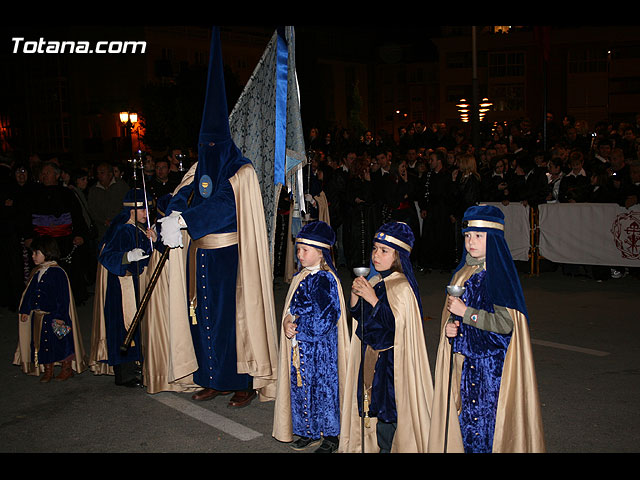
point(562, 346)
point(206, 416)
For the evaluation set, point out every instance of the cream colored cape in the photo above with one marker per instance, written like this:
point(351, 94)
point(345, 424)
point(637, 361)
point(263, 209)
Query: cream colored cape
point(22, 356)
point(412, 379)
point(518, 422)
point(256, 335)
point(168, 352)
point(282, 423)
point(99, 355)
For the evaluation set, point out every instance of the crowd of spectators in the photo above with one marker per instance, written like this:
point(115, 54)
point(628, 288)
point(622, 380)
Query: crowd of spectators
point(74, 206)
point(426, 176)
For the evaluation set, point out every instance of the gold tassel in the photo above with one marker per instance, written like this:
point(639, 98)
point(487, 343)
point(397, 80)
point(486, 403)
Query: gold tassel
point(297, 365)
point(192, 314)
point(367, 422)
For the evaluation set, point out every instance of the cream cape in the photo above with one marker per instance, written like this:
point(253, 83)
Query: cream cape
point(99, 355)
point(256, 335)
point(22, 356)
point(412, 379)
point(282, 423)
point(518, 422)
point(169, 356)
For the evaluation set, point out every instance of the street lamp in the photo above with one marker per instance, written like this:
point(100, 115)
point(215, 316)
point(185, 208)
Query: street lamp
point(485, 106)
point(463, 108)
point(129, 121)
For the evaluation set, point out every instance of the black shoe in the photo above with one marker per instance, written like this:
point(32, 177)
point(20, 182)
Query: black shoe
point(329, 445)
point(134, 382)
point(303, 442)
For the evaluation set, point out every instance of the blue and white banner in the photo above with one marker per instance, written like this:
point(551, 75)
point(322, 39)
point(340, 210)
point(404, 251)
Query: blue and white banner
point(266, 123)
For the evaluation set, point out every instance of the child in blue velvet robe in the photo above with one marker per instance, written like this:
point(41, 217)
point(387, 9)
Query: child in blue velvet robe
point(488, 329)
point(125, 252)
point(314, 328)
point(48, 294)
point(398, 390)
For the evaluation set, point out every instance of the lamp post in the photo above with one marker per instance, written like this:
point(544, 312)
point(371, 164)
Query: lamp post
point(129, 120)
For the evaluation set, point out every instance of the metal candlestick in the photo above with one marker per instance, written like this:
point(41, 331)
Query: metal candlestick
point(454, 291)
point(362, 272)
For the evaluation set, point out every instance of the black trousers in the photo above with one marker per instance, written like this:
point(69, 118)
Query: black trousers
point(385, 433)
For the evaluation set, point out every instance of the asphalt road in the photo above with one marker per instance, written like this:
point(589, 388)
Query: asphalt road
point(585, 343)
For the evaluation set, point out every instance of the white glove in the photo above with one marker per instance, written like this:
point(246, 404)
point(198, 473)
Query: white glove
point(136, 254)
point(309, 199)
point(170, 232)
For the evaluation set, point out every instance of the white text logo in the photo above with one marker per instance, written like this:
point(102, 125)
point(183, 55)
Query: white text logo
point(72, 46)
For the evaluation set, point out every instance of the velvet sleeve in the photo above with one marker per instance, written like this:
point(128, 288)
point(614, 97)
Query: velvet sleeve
point(215, 214)
point(489, 332)
point(379, 321)
point(317, 305)
point(113, 254)
point(180, 200)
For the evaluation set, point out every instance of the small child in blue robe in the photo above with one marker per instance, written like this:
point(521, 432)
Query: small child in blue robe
point(493, 402)
point(314, 336)
point(124, 253)
point(393, 387)
point(47, 304)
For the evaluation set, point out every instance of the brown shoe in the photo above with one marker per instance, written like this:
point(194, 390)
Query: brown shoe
point(242, 398)
point(48, 373)
point(65, 373)
point(207, 394)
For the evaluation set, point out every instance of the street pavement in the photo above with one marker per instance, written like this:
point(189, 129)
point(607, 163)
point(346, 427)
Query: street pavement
point(585, 344)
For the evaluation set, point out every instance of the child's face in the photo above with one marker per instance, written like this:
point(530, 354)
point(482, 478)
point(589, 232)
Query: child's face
point(140, 215)
point(38, 257)
point(476, 244)
point(308, 256)
point(382, 256)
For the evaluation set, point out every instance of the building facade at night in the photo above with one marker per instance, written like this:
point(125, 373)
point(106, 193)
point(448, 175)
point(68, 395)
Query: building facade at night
point(68, 104)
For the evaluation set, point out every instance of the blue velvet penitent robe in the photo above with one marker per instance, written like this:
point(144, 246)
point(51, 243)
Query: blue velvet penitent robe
point(315, 403)
point(484, 353)
point(379, 334)
point(113, 258)
point(213, 329)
